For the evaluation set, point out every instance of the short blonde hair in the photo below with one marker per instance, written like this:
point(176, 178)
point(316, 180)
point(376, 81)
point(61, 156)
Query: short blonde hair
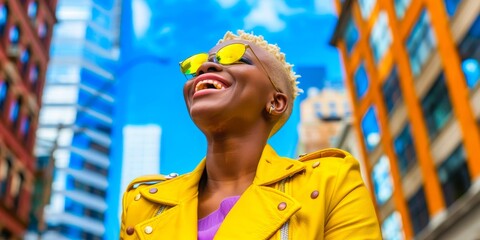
point(272, 49)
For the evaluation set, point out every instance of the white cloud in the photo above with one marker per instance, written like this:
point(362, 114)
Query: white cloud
point(264, 14)
point(325, 7)
point(227, 3)
point(141, 17)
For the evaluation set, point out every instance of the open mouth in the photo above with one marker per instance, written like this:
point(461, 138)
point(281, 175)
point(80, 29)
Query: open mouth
point(209, 84)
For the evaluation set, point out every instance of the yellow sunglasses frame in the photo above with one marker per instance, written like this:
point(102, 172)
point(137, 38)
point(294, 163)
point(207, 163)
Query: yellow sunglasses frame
point(215, 60)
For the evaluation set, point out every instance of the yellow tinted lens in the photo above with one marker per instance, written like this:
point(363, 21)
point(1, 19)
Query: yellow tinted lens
point(230, 53)
point(190, 65)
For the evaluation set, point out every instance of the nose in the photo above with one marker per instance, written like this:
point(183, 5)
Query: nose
point(209, 67)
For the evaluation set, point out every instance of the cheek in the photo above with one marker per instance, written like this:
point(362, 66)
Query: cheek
point(186, 91)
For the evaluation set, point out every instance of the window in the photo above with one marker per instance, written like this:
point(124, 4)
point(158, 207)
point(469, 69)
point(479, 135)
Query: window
point(25, 126)
point(392, 228)
point(3, 17)
point(361, 81)
point(14, 35)
point(32, 10)
point(370, 129)
point(366, 7)
point(404, 149)
point(436, 107)
point(454, 176)
point(318, 110)
point(350, 35)
point(14, 111)
point(391, 90)
point(17, 189)
point(33, 75)
point(42, 30)
point(469, 50)
point(420, 43)
point(417, 207)
point(382, 180)
point(89, 189)
point(400, 7)
point(4, 87)
point(5, 169)
point(451, 6)
point(24, 59)
point(380, 37)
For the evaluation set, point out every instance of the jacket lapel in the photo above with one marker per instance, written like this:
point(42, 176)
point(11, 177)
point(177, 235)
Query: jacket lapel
point(180, 196)
point(262, 210)
point(256, 215)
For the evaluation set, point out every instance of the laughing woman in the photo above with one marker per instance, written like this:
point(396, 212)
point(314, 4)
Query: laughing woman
point(241, 93)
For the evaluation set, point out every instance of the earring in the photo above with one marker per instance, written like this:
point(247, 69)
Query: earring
point(271, 109)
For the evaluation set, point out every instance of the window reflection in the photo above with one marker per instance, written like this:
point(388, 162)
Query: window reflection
point(14, 35)
point(3, 17)
point(469, 50)
point(32, 10)
point(4, 87)
point(366, 7)
point(454, 176)
point(370, 129)
point(14, 110)
point(382, 180)
point(420, 43)
point(392, 228)
point(350, 35)
point(436, 107)
point(417, 206)
point(361, 81)
point(400, 7)
point(391, 90)
point(380, 37)
point(451, 6)
point(405, 150)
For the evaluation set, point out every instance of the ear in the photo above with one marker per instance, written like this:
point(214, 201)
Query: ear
point(278, 104)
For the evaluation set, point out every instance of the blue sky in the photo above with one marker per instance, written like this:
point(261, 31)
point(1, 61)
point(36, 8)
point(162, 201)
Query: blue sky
point(156, 35)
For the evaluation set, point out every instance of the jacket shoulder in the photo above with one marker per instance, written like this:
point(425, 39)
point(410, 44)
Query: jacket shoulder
point(325, 153)
point(149, 180)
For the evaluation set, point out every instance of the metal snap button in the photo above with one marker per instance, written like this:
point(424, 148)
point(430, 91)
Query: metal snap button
point(282, 206)
point(314, 194)
point(148, 229)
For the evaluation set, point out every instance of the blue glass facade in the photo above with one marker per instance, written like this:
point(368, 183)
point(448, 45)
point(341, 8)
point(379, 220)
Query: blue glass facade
point(76, 118)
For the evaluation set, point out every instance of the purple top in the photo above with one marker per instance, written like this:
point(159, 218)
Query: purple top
point(208, 226)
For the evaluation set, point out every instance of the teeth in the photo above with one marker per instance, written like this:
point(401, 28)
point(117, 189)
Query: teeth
point(204, 85)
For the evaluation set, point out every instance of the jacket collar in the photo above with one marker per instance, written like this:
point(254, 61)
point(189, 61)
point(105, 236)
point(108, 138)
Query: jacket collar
point(181, 195)
point(271, 169)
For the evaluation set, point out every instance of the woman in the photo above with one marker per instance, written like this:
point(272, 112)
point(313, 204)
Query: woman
point(241, 93)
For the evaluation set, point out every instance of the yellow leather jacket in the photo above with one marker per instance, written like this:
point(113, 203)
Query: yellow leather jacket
point(319, 196)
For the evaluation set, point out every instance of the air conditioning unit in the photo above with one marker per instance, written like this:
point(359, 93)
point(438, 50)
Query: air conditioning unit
point(14, 51)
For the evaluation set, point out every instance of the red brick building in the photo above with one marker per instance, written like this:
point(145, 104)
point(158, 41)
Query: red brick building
point(25, 33)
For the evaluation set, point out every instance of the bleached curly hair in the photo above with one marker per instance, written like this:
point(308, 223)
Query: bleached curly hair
point(272, 49)
point(293, 90)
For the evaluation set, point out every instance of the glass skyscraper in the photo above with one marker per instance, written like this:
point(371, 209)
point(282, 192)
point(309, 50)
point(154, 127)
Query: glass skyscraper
point(76, 117)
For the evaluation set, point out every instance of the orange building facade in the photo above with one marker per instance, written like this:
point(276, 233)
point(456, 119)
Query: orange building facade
point(413, 77)
point(25, 33)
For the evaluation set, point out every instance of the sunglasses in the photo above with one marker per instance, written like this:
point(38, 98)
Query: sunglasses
point(227, 55)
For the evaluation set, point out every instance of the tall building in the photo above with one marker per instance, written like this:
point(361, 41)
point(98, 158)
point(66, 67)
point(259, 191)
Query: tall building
point(25, 32)
point(76, 117)
point(412, 72)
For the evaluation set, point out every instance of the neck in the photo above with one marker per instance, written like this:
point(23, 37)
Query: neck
point(231, 163)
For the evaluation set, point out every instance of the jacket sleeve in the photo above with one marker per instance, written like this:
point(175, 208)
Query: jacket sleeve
point(351, 214)
point(125, 203)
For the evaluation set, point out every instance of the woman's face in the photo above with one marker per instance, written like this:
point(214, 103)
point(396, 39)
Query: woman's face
point(224, 96)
